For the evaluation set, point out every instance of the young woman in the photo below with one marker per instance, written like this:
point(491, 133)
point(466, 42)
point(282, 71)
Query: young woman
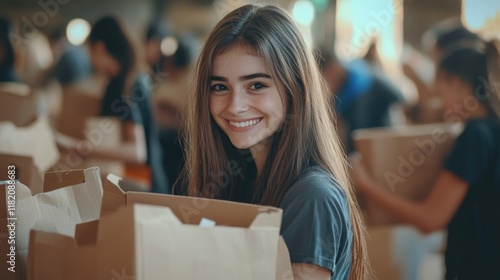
point(260, 131)
point(128, 97)
point(466, 196)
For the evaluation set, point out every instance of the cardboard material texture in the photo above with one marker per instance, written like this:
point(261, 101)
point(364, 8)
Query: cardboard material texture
point(404, 160)
point(35, 140)
point(156, 242)
point(98, 132)
point(77, 106)
point(17, 104)
point(26, 171)
point(69, 198)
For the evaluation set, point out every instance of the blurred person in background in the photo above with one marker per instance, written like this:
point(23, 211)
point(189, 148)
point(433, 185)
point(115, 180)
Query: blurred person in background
point(445, 36)
point(71, 63)
point(362, 97)
point(466, 195)
point(128, 97)
point(170, 101)
point(7, 53)
point(156, 32)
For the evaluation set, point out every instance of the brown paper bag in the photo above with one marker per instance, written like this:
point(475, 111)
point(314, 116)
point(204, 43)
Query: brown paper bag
point(156, 242)
point(69, 198)
point(404, 160)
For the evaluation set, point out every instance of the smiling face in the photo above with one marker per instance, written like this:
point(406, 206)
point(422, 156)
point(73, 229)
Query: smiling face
point(245, 101)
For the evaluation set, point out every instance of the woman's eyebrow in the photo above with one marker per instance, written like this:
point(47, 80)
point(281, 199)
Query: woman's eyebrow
point(218, 78)
point(242, 78)
point(255, 75)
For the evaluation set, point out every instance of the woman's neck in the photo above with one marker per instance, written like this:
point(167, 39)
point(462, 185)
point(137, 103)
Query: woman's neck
point(259, 154)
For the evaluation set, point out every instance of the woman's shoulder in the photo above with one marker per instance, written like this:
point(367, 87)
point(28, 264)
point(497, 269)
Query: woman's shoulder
point(316, 185)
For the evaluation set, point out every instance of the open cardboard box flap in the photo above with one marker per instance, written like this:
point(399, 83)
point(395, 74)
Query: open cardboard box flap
point(70, 198)
point(151, 236)
point(190, 210)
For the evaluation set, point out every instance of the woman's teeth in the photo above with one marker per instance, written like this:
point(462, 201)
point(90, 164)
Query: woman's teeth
point(244, 124)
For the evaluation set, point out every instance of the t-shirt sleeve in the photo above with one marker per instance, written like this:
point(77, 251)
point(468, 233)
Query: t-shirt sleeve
point(316, 225)
point(470, 154)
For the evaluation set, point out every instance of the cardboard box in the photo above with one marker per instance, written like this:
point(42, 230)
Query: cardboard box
point(17, 104)
point(159, 238)
point(77, 106)
point(26, 171)
point(404, 160)
point(69, 198)
point(79, 118)
point(402, 252)
point(98, 132)
point(34, 141)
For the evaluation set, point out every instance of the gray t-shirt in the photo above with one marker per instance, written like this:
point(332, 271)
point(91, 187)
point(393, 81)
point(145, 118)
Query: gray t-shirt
point(316, 224)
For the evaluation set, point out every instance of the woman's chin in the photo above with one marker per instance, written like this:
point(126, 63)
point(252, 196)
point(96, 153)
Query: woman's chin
point(241, 144)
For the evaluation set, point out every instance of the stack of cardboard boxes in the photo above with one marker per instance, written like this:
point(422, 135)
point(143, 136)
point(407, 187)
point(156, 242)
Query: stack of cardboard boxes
point(78, 229)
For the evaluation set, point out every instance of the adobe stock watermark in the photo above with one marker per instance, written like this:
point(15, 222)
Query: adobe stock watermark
point(464, 110)
point(458, 113)
point(11, 218)
point(30, 27)
point(94, 137)
point(407, 165)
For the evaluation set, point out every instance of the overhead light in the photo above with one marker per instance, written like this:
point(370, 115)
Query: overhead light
point(77, 31)
point(303, 12)
point(169, 46)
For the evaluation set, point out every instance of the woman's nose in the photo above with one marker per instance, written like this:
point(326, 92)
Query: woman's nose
point(238, 102)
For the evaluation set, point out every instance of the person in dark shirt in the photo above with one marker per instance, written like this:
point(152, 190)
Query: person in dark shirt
point(135, 99)
point(362, 98)
point(127, 97)
point(466, 195)
point(260, 130)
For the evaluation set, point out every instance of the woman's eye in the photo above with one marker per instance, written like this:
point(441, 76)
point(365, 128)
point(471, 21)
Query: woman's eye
point(218, 87)
point(257, 86)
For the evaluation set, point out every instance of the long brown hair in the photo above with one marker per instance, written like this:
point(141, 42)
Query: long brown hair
point(117, 39)
point(216, 169)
